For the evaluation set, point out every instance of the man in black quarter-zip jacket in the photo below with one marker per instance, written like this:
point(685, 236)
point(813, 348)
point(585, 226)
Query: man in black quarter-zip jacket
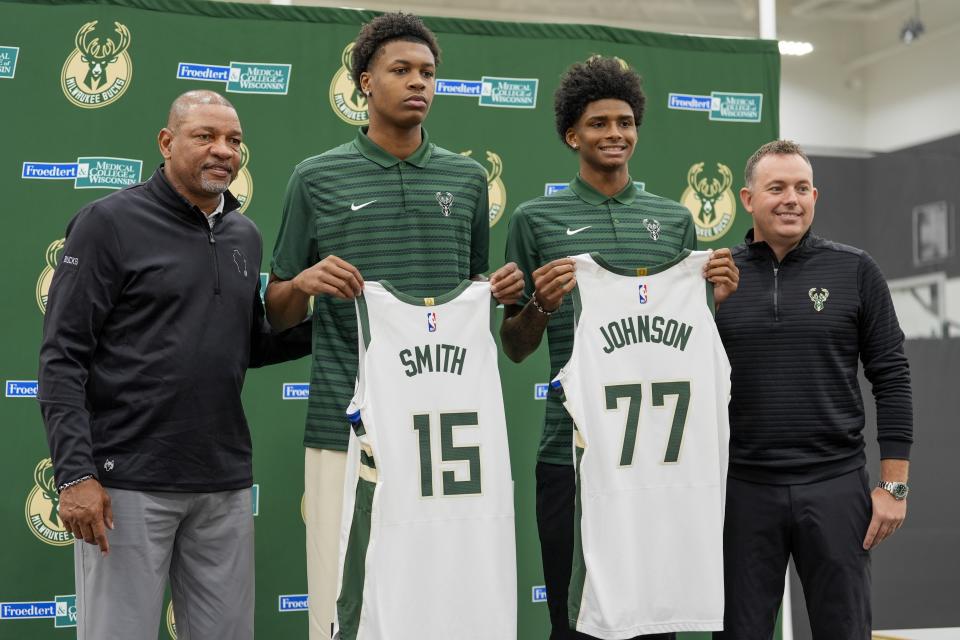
point(154, 316)
point(806, 311)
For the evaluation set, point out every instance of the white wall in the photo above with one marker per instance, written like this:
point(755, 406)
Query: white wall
point(862, 89)
point(819, 105)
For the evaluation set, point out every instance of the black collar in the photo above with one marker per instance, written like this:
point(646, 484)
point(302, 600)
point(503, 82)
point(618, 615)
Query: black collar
point(161, 188)
point(760, 249)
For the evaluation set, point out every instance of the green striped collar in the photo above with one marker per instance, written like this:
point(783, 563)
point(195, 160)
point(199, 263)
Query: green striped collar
point(443, 298)
point(373, 152)
point(639, 271)
point(591, 196)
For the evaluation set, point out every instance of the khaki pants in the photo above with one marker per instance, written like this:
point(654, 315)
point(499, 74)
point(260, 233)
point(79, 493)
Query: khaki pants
point(323, 472)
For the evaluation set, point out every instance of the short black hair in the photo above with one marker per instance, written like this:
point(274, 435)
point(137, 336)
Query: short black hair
point(598, 78)
point(387, 28)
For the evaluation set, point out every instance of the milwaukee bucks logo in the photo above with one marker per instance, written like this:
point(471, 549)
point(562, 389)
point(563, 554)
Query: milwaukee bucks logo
point(653, 228)
point(98, 71)
point(53, 256)
point(445, 200)
point(347, 101)
point(41, 508)
point(710, 201)
point(496, 190)
point(242, 185)
point(171, 622)
point(818, 298)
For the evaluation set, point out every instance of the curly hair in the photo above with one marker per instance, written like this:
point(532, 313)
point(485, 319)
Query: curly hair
point(387, 28)
point(598, 78)
point(775, 147)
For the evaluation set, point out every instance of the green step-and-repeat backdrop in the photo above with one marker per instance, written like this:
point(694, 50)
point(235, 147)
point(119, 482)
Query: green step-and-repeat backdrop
point(84, 89)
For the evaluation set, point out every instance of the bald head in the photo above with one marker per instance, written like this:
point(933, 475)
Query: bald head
point(186, 101)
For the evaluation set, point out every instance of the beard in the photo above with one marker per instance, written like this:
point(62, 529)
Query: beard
point(214, 187)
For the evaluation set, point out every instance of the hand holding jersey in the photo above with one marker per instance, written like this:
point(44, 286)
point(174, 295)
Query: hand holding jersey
point(506, 284)
point(427, 536)
point(722, 273)
point(647, 386)
point(333, 276)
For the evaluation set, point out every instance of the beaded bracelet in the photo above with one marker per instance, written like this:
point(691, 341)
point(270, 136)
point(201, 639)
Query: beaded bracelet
point(536, 304)
point(73, 483)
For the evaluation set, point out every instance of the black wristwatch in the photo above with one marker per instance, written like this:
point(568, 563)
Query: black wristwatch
point(898, 490)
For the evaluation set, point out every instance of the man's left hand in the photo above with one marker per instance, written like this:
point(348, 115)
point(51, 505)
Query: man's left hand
point(723, 273)
point(888, 515)
point(506, 284)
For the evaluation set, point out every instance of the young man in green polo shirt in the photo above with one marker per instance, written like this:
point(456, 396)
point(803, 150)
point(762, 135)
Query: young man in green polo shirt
point(599, 106)
point(388, 205)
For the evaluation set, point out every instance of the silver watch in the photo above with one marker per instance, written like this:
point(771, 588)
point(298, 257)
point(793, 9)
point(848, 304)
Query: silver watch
point(898, 490)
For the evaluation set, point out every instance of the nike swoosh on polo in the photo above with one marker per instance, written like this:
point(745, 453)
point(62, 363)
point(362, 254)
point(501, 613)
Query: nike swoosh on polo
point(573, 232)
point(357, 207)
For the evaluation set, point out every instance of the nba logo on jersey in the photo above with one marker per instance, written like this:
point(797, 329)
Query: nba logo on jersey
point(643, 294)
point(431, 321)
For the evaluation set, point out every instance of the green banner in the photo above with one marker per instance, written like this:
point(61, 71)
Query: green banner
point(84, 89)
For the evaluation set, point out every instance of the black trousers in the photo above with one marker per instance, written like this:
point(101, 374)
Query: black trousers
point(556, 494)
point(822, 524)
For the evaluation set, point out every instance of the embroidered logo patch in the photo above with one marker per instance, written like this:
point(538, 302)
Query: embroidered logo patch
point(445, 200)
point(818, 299)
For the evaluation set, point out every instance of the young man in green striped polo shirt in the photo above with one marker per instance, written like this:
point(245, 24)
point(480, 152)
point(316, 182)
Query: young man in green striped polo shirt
point(599, 106)
point(388, 205)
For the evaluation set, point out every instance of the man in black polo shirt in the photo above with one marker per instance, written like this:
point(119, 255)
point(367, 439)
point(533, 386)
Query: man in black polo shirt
point(153, 318)
point(806, 311)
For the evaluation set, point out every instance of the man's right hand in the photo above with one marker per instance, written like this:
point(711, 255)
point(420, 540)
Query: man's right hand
point(552, 281)
point(85, 511)
point(332, 276)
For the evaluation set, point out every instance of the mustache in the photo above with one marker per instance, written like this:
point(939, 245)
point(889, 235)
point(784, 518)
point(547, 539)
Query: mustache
point(218, 165)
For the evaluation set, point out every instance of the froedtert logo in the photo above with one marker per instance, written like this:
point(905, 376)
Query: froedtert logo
point(27, 610)
point(297, 602)
point(539, 594)
point(88, 172)
point(509, 93)
point(296, 390)
point(21, 389)
point(8, 61)
point(241, 77)
point(464, 88)
point(62, 609)
point(98, 71)
point(723, 106)
point(491, 91)
point(688, 102)
point(202, 72)
point(540, 390)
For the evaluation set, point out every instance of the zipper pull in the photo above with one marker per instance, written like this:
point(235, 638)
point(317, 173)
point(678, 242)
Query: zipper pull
point(212, 240)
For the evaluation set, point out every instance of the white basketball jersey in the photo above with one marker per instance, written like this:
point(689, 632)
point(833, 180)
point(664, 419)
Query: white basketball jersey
point(427, 549)
point(647, 385)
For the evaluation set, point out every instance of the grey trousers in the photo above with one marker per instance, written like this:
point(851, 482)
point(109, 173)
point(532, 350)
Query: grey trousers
point(202, 541)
